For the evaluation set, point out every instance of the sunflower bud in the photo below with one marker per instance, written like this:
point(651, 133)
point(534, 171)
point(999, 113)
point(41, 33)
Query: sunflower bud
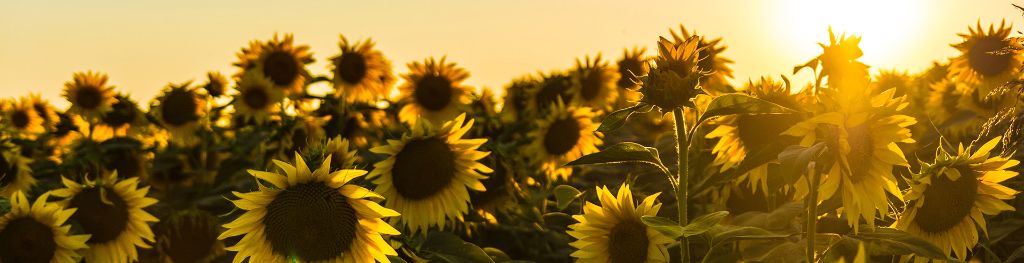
point(674, 79)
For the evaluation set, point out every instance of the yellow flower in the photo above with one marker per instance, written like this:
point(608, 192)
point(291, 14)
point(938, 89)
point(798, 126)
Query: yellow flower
point(613, 232)
point(21, 116)
point(125, 118)
point(980, 69)
point(343, 156)
point(893, 79)
point(315, 216)
point(711, 60)
point(44, 110)
point(428, 173)
point(257, 98)
point(516, 98)
point(89, 95)
point(111, 211)
point(216, 84)
point(278, 59)
point(180, 110)
point(15, 173)
point(597, 83)
point(564, 135)
point(188, 236)
point(632, 65)
point(949, 199)
point(674, 82)
point(553, 87)
point(361, 73)
point(38, 233)
point(434, 91)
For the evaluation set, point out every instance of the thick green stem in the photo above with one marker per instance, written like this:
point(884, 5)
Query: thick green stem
point(682, 177)
point(812, 213)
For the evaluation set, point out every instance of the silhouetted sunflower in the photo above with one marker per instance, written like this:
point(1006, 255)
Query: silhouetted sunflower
point(631, 66)
point(434, 91)
point(981, 69)
point(597, 83)
point(565, 134)
point(278, 59)
point(38, 233)
point(674, 81)
point(361, 73)
point(21, 117)
point(428, 173)
point(950, 198)
point(863, 141)
point(45, 111)
point(553, 87)
point(613, 232)
point(125, 117)
point(216, 84)
point(89, 95)
point(313, 216)
point(111, 211)
point(711, 60)
point(188, 236)
point(15, 172)
point(741, 135)
point(257, 98)
point(180, 109)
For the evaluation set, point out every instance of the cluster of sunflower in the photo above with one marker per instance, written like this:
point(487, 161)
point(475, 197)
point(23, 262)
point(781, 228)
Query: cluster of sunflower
point(427, 168)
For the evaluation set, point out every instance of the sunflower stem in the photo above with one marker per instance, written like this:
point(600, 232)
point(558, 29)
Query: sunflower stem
point(812, 213)
point(682, 177)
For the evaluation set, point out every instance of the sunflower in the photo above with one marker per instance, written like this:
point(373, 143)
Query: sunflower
point(302, 132)
point(863, 142)
point(216, 84)
point(742, 135)
point(361, 73)
point(124, 118)
point(126, 156)
point(500, 187)
point(21, 116)
point(893, 79)
point(180, 109)
point(674, 81)
point(278, 59)
point(427, 174)
point(553, 87)
point(951, 197)
point(310, 216)
point(613, 232)
point(188, 236)
point(111, 211)
point(15, 173)
point(44, 110)
point(711, 60)
point(89, 95)
point(37, 233)
point(632, 65)
point(598, 83)
point(981, 69)
point(565, 134)
point(516, 98)
point(342, 155)
point(943, 105)
point(434, 91)
point(257, 98)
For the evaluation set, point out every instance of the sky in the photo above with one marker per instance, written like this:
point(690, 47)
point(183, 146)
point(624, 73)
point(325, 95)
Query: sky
point(144, 45)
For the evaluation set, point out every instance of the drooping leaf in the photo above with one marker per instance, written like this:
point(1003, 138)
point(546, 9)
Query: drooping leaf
point(396, 259)
point(703, 223)
point(897, 242)
point(736, 103)
point(624, 152)
point(446, 247)
point(664, 226)
point(618, 118)
point(564, 195)
point(795, 158)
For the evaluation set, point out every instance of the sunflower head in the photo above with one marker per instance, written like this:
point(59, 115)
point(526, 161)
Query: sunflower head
point(893, 79)
point(44, 110)
point(89, 94)
point(188, 236)
point(310, 216)
point(434, 91)
point(430, 168)
point(361, 73)
point(343, 156)
point(516, 98)
point(709, 52)
point(839, 63)
point(554, 87)
point(597, 83)
point(15, 172)
point(179, 110)
point(674, 80)
point(257, 98)
point(36, 232)
point(280, 60)
point(124, 115)
point(631, 66)
point(216, 84)
point(111, 211)
point(986, 60)
point(613, 232)
point(565, 134)
point(21, 117)
point(949, 198)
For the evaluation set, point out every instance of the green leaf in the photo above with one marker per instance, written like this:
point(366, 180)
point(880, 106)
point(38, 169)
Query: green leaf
point(724, 233)
point(396, 259)
point(618, 118)
point(663, 225)
point(703, 223)
point(497, 255)
point(735, 103)
point(446, 247)
point(795, 158)
point(1017, 255)
point(898, 242)
point(623, 152)
point(565, 194)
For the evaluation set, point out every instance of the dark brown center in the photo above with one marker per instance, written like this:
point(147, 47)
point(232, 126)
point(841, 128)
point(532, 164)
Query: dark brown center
point(861, 151)
point(310, 221)
point(188, 238)
point(757, 131)
point(433, 92)
point(42, 110)
point(179, 107)
point(562, 136)
point(627, 242)
point(281, 67)
point(102, 213)
point(255, 98)
point(351, 67)
point(947, 202)
point(627, 68)
point(986, 64)
point(26, 240)
point(552, 89)
point(20, 119)
point(423, 168)
point(89, 97)
point(124, 160)
point(123, 112)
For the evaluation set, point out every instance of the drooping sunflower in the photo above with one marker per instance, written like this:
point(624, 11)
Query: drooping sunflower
point(564, 135)
point(613, 232)
point(111, 211)
point(21, 117)
point(742, 135)
point(278, 59)
point(44, 110)
point(428, 173)
point(180, 110)
point(434, 91)
point(598, 83)
point(124, 118)
point(863, 142)
point(15, 173)
point(313, 216)
point(188, 236)
point(257, 98)
point(553, 87)
point(632, 65)
point(978, 66)
point(711, 60)
point(89, 95)
point(950, 198)
point(38, 233)
point(361, 73)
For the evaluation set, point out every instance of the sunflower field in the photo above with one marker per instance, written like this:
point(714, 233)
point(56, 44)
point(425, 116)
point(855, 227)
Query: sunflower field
point(645, 157)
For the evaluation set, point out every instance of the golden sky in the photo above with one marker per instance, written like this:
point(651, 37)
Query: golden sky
point(143, 45)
